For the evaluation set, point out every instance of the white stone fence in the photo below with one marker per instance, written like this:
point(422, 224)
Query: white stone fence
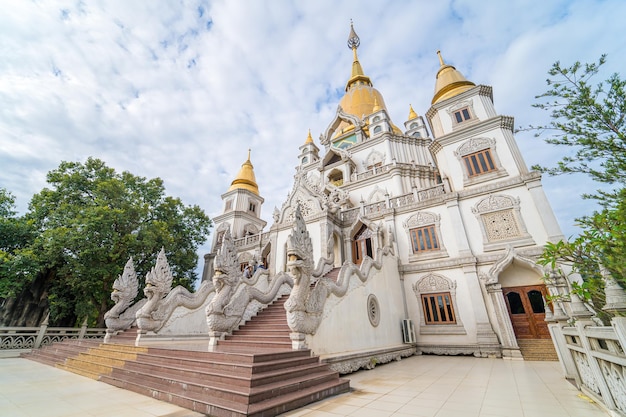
point(16, 340)
point(593, 358)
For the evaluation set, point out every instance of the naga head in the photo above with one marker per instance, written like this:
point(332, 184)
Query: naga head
point(159, 279)
point(299, 249)
point(225, 265)
point(125, 287)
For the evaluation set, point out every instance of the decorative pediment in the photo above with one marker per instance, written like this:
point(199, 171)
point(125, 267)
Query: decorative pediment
point(340, 116)
point(433, 283)
point(495, 202)
point(375, 158)
point(507, 259)
point(308, 195)
point(377, 194)
point(335, 155)
point(421, 218)
point(475, 145)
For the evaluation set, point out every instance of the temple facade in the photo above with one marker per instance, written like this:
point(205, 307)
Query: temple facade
point(437, 219)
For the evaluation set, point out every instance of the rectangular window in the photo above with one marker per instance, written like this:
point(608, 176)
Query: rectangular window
point(479, 162)
point(252, 207)
point(438, 308)
point(424, 239)
point(229, 205)
point(462, 115)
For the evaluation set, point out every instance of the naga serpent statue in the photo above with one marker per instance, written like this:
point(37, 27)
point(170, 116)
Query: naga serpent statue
point(233, 302)
point(305, 306)
point(158, 284)
point(125, 289)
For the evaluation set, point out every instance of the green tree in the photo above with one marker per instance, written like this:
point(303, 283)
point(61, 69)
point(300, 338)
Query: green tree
point(16, 233)
point(590, 119)
point(91, 220)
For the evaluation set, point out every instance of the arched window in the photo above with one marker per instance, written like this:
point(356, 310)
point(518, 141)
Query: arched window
point(378, 129)
point(362, 245)
point(376, 119)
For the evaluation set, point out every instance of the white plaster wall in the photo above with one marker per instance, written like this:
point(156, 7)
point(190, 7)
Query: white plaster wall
point(463, 308)
point(346, 327)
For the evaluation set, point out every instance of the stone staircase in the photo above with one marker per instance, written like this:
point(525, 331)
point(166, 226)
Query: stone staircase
point(537, 349)
point(268, 329)
point(253, 373)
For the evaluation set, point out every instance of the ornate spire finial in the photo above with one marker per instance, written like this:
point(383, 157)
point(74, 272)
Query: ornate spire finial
point(309, 139)
point(440, 59)
point(353, 38)
point(412, 114)
point(249, 150)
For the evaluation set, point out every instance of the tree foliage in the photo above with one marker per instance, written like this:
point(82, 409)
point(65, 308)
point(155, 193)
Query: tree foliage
point(90, 220)
point(590, 119)
point(16, 260)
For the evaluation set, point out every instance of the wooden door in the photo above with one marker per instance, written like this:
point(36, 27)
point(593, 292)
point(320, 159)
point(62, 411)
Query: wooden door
point(527, 311)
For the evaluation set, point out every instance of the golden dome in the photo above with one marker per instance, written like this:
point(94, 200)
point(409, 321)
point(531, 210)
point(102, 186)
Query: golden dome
point(412, 114)
point(245, 179)
point(450, 82)
point(361, 98)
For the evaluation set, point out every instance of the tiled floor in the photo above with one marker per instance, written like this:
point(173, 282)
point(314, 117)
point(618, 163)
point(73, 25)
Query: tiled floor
point(427, 386)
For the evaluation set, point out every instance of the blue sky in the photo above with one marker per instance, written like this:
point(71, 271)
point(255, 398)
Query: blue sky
point(181, 90)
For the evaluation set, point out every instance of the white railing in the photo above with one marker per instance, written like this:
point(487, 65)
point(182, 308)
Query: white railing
point(20, 338)
point(594, 357)
point(393, 202)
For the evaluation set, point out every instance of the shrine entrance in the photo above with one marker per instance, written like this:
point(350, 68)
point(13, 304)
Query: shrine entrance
point(526, 307)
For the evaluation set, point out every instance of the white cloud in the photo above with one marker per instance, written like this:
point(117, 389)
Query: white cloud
point(181, 90)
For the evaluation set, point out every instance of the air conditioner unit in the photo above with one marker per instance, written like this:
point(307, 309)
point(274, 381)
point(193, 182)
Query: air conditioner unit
point(408, 332)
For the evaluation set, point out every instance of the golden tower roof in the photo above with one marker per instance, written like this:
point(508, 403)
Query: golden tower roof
point(361, 98)
point(245, 179)
point(412, 114)
point(309, 138)
point(450, 82)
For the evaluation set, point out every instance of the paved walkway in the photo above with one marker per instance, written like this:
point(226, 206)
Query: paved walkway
point(427, 386)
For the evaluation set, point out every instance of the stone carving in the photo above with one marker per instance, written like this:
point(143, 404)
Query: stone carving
point(125, 289)
point(585, 372)
point(152, 313)
point(337, 198)
point(614, 376)
point(352, 365)
point(158, 284)
point(501, 225)
point(305, 305)
point(237, 298)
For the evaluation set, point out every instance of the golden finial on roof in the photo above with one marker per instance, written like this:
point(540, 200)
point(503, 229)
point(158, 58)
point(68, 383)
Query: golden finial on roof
point(450, 82)
point(245, 179)
point(309, 138)
point(412, 114)
point(357, 71)
point(376, 106)
point(440, 58)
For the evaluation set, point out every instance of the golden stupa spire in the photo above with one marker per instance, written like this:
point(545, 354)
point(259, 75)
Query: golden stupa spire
point(309, 138)
point(245, 179)
point(357, 71)
point(412, 114)
point(450, 82)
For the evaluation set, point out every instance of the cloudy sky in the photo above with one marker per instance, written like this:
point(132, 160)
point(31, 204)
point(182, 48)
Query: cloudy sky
point(181, 89)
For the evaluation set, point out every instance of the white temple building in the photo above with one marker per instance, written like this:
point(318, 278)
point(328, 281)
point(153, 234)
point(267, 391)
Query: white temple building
point(432, 229)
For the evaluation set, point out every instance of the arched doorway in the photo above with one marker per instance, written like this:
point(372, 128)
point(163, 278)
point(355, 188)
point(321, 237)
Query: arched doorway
point(526, 307)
